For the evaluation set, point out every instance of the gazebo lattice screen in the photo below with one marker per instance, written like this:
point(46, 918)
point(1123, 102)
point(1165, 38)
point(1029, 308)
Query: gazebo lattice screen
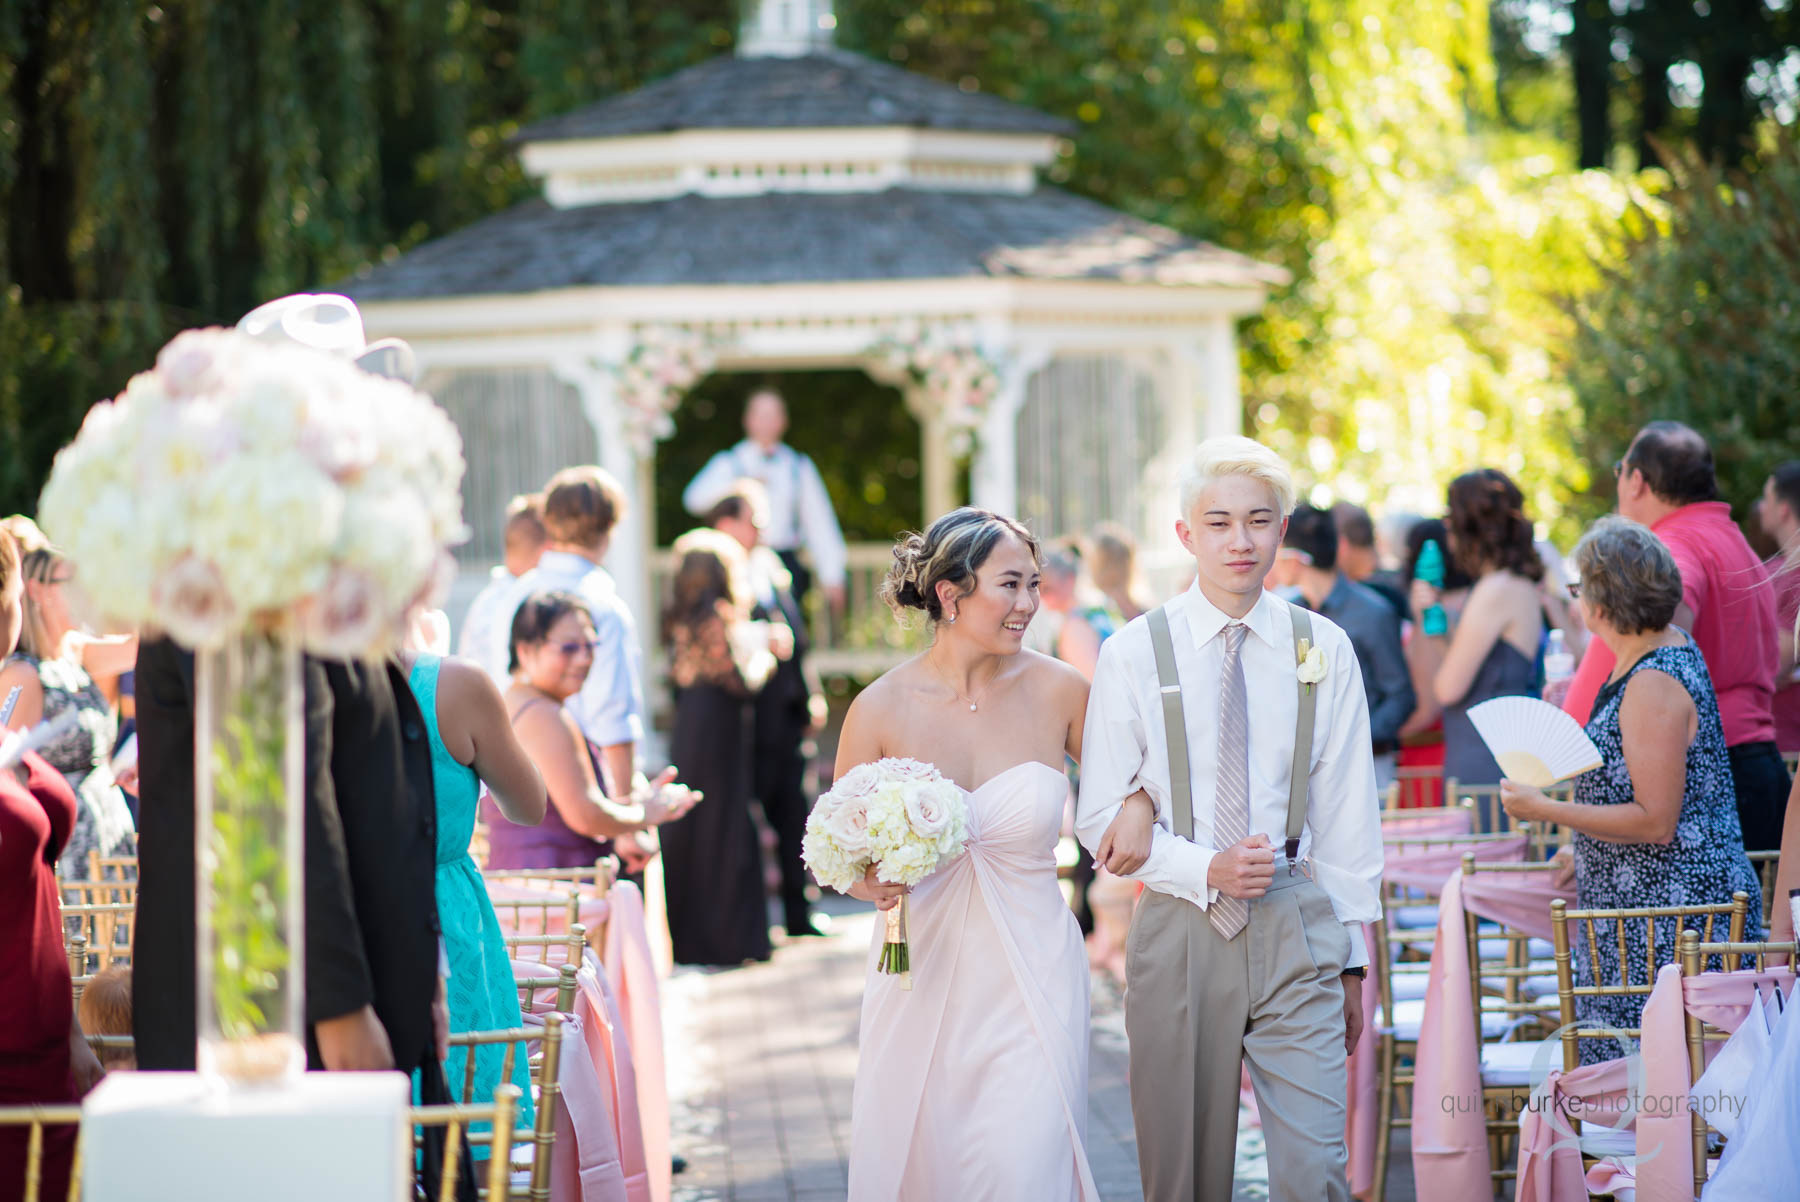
point(1086, 432)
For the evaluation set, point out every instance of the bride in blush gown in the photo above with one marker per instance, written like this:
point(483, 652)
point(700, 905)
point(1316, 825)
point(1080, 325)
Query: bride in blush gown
point(973, 1085)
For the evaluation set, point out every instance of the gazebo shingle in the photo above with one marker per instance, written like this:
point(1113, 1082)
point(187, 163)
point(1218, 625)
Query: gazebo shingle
point(831, 88)
point(775, 238)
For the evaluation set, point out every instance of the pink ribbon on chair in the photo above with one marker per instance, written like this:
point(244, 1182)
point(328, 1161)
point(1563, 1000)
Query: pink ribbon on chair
point(631, 971)
point(1520, 900)
point(1459, 822)
point(584, 1161)
point(1425, 867)
point(611, 1054)
point(1449, 1132)
point(1550, 1168)
point(1665, 1168)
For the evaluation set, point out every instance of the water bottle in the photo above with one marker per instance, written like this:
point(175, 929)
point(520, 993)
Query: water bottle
point(1559, 668)
point(1430, 569)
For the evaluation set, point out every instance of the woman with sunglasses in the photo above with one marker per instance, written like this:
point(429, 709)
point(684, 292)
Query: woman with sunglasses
point(55, 669)
point(552, 651)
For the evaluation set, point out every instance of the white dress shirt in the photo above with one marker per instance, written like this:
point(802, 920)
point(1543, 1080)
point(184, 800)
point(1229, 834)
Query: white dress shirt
point(610, 706)
point(487, 626)
point(800, 513)
point(1123, 748)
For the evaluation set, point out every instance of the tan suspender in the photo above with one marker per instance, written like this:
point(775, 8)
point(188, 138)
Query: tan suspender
point(1181, 794)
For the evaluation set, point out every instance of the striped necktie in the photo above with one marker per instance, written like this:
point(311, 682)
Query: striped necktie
point(1231, 804)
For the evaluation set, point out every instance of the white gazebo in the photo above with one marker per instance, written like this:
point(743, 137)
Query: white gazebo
point(793, 206)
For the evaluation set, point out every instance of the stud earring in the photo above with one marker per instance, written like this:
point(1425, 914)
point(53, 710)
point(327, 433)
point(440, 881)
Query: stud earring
point(952, 619)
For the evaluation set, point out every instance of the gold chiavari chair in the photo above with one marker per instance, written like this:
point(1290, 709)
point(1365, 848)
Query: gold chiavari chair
point(591, 882)
point(546, 1073)
point(1694, 956)
point(499, 1115)
point(1490, 816)
point(36, 1118)
point(531, 915)
point(106, 928)
point(1766, 864)
point(558, 974)
point(76, 949)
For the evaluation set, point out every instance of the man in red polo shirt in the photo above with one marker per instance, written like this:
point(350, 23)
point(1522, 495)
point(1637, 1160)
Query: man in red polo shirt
point(1781, 522)
point(1666, 482)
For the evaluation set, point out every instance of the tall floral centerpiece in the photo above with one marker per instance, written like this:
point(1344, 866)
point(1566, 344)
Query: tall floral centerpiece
point(255, 501)
point(959, 379)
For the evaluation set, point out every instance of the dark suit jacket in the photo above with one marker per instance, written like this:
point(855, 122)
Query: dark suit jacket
point(781, 713)
point(371, 855)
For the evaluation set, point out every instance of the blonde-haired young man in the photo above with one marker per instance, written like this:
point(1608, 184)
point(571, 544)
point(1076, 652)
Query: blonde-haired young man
point(1246, 948)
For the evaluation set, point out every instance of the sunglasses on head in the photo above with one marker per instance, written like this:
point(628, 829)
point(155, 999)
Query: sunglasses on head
point(574, 646)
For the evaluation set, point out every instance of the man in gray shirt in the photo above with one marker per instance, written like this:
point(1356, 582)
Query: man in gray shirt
point(1371, 623)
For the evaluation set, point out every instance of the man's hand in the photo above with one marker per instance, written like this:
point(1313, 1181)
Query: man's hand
point(1245, 870)
point(834, 597)
point(357, 1042)
point(440, 1021)
point(1126, 844)
point(1353, 1014)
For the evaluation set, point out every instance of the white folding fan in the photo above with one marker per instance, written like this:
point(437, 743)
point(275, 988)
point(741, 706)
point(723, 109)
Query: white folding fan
point(1534, 742)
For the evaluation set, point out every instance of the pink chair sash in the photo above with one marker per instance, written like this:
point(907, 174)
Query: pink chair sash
point(1428, 825)
point(631, 972)
point(1549, 1148)
point(584, 1162)
point(1425, 867)
point(1664, 1144)
point(1450, 1149)
point(611, 1055)
point(1521, 900)
point(592, 913)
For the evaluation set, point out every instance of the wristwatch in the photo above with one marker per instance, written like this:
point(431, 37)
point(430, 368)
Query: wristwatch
point(1360, 973)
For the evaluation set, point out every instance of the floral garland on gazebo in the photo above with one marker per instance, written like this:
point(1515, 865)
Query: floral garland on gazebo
point(959, 378)
point(664, 363)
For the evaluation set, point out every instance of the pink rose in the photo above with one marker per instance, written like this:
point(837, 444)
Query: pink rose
point(847, 825)
point(345, 620)
point(859, 783)
point(191, 365)
point(927, 811)
point(905, 770)
point(192, 604)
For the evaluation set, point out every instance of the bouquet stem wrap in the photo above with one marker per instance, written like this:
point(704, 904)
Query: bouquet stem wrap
point(896, 953)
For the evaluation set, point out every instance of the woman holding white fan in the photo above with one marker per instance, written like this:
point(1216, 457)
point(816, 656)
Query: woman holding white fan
point(1656, 824)
point(972, 1076)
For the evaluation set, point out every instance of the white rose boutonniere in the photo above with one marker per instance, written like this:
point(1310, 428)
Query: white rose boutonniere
point(1311, 663)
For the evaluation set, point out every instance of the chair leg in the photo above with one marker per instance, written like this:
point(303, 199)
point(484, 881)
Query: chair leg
point(1384, 1117)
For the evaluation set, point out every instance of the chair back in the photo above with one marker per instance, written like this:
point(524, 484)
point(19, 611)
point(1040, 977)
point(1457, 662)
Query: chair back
point(537, 912)
point(546, 1074)
point(106, 930)
point(36, 1118)
point(561, 957)
point(590, 882)
point(1570, 925)
point(1695, 955)
point(455, 1120)
point(1766, 864)
point(1490, 816)
point(1499, 979)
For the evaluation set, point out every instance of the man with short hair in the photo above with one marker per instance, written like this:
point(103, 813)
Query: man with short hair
point(1371, 623)
point(800, 513)
point(1247, 946)
point(788, 707)
point(1666, 482)
point(1780, 518)
point(486, 629)
point(1356, 558)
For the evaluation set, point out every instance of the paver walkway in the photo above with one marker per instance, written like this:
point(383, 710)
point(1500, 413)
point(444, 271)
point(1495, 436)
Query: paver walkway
point(761, 1062)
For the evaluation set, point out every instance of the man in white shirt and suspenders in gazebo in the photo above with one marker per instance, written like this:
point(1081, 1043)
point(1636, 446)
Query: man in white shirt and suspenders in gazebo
point(1265, 857)
point(799, 514)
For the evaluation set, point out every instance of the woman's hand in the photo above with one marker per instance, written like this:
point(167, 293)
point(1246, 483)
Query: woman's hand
point(1523, 802)
point(1424, 596)
point(636, 850)
point(1126, 844)
point(871, 888)
point(1564, 859)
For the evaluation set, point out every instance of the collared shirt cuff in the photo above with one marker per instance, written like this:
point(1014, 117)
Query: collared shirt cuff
point(1359, 948)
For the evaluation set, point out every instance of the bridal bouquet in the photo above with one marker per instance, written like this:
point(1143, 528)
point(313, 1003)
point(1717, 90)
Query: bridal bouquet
point(244, 485)
point(899, 816)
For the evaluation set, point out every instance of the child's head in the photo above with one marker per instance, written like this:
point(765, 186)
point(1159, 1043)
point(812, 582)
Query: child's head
point(106, 1010)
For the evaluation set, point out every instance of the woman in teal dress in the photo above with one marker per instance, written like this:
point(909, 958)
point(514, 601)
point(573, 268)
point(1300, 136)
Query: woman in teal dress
point(472, 743)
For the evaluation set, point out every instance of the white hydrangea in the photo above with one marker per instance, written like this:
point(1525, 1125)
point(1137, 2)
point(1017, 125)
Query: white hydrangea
point(898, 815)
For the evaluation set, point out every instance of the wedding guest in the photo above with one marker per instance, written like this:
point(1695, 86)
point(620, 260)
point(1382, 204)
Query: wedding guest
point(1112, 562)
point(582, 505)
point(1372, 624)
point(1069, 625)
point(553, 650)
point(1666, 482)
point(1422, 734)
point(1780, 517)
point(54, 670)
point(719, 659)
point(800, 514)
point(43, 1058)
point(1493, 647)
point(106, 1010)
point(1356, 557)
point(1656, 824)
point(472, 744)
point(788, 709)
point(488, 620)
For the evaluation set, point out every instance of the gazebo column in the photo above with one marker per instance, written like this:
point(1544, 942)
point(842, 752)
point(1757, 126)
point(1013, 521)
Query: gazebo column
point(939, 465)
point(1219, 382)
point(994, 471)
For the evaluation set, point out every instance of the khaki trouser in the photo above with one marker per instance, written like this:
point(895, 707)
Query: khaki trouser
point(1197, 1007)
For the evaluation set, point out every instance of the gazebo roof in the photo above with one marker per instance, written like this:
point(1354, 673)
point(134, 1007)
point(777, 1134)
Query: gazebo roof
point(824, 89)
point(897, 233)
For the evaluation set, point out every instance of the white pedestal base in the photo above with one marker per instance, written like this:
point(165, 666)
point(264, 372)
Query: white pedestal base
point(330, 1137)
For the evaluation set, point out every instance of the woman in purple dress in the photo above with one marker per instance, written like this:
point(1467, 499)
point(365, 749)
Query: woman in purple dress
point(552, 649)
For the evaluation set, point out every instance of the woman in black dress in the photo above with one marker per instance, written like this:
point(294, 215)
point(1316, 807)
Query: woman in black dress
point(718, 659)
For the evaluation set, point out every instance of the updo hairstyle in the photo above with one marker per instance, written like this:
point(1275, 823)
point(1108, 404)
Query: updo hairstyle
point(953, 549)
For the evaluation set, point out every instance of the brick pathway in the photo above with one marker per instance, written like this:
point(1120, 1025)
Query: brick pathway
point(761, 1065)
